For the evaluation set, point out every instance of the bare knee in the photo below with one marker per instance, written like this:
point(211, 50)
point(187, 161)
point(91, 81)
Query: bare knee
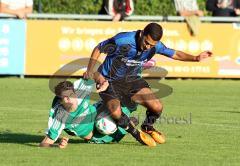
point(115, 109)
point(156, 107)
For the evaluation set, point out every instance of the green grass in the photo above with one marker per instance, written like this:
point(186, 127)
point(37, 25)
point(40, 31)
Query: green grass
point(209, 137)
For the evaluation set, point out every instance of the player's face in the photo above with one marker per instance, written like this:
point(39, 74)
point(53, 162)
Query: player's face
point(69, 98)
point(147, 42)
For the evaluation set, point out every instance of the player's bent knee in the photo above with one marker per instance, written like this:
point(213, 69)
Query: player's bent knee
point(115, 112)
point(157, 107)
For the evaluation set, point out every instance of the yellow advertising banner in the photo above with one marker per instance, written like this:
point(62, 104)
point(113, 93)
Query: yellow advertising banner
point(63, 47)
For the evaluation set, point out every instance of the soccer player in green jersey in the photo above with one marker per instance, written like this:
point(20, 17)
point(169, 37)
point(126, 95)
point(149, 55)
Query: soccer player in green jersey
point(72, 113)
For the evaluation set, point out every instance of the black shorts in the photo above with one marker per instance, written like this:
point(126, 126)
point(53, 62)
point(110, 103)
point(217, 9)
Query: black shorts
point(123, 90)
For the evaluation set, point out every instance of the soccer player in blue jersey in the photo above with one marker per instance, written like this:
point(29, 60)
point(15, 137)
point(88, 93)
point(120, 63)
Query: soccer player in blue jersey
point(126, 53)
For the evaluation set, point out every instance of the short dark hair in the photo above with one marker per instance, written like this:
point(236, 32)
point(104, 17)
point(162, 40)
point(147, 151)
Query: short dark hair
point(154, 30)
point(63, 86)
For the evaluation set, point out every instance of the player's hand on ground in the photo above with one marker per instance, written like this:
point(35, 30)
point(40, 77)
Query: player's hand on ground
point(102, 86)
point(63, 143)
point(204, 55)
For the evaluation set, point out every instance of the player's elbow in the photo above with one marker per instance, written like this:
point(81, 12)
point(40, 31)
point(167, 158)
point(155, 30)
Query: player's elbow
point(179, 55)
point(176, 57)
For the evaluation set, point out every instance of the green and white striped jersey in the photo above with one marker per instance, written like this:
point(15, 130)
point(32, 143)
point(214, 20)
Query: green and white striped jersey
point(79, 122)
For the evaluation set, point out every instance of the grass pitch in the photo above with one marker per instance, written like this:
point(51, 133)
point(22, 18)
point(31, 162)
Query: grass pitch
point(201, 121)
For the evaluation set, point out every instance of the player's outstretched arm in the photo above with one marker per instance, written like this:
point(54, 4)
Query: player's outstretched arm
point(47, 142)
point(91, 64)
point(182, 56)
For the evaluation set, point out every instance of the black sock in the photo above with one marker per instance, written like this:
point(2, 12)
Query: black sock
point(132, 130)
point(125, 123)
point(151, 118)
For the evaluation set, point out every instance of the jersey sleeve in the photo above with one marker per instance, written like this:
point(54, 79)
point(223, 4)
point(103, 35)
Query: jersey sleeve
point(107, 46)
point(56, 120)
point(162, 49)
point(55, 126)
point(83, 88)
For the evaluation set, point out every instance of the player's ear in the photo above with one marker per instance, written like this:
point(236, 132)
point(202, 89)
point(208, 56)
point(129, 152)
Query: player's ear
point(64, 99)
point(141, 33)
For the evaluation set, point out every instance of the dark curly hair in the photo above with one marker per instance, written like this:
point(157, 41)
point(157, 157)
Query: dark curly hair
point(63, 86)
point(154, 30)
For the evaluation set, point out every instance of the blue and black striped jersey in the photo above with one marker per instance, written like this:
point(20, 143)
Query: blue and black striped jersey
point(124, 57)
